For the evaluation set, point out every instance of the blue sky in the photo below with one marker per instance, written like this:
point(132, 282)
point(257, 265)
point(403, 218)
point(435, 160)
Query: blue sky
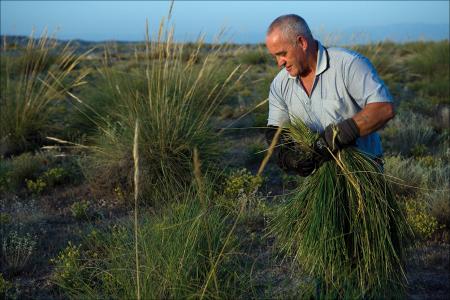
point(245, 21)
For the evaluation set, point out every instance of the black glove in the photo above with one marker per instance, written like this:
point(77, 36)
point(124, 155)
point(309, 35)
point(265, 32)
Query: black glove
point(335, 138)
point(306, 166)
point(289, 156)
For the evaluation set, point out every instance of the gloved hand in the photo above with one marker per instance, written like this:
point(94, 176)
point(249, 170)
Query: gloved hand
point(289, 156)
point(335, 138)
point(306, 166)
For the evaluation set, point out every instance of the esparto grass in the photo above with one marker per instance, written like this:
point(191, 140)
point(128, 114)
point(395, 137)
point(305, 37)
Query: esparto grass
point(33, 81)
point(344, 227)
point(173, 99)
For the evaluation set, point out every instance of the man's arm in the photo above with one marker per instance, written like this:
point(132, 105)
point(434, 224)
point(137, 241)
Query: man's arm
point(373, 116)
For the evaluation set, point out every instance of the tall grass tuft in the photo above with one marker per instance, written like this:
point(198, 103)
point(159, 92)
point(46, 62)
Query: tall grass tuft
point(32, 82)
point(173, 99)
point(185, 251)
point(343, 225)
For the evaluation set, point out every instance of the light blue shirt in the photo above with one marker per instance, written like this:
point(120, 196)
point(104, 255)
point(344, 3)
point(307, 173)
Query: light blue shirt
point(345, 83)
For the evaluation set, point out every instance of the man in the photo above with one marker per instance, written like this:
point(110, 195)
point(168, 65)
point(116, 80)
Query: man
point(330, 89)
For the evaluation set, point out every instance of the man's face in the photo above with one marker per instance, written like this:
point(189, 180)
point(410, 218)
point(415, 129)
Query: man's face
point(288, 53)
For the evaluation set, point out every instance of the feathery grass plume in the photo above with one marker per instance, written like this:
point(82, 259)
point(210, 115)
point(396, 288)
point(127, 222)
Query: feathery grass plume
point(136, 197)
point(33, 79)
point(174, 100)
point(343, 225)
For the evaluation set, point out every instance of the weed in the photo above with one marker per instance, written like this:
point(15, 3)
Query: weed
point(80, 210)
point(17, 248)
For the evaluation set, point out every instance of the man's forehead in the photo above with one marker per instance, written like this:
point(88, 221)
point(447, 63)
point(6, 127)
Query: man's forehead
point(274, 35)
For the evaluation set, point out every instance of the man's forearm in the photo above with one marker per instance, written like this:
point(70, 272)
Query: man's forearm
point(373, 117)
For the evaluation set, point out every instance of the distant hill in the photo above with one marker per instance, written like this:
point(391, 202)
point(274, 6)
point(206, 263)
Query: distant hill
point(397, 33)
point(353, 35)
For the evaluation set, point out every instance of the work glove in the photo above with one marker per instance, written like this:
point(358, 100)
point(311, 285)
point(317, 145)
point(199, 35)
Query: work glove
point(288, 155)
point(334, 138)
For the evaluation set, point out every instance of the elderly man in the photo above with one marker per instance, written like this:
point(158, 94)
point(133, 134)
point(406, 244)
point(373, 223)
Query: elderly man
point(327, 88)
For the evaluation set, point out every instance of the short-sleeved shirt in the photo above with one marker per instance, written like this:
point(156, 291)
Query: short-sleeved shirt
point(345, 83)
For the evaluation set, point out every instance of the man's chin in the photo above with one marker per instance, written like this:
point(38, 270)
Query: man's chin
point(293, 73)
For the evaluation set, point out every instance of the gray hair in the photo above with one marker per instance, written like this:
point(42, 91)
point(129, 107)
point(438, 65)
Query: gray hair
point(291, 26)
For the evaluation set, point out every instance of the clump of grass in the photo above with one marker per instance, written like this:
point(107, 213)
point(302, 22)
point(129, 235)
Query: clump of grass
point(185, 251)
point(30, 91)
point(343, 226)
point(174, 100)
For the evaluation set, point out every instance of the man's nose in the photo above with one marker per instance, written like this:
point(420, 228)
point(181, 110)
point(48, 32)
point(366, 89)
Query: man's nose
point(281, 62)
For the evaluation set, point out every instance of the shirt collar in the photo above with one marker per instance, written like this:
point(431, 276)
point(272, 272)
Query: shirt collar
point(322, 60)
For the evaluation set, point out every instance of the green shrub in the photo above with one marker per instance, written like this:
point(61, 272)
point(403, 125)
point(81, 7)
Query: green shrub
point(241, 182)
point(36, 187)
point(54, 176)
point(419, 218)
point(29, 92)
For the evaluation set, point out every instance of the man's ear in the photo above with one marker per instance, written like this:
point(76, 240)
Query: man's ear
point(302, 42)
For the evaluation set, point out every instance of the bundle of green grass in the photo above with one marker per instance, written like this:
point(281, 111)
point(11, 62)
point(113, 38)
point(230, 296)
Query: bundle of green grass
point(344, 227)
